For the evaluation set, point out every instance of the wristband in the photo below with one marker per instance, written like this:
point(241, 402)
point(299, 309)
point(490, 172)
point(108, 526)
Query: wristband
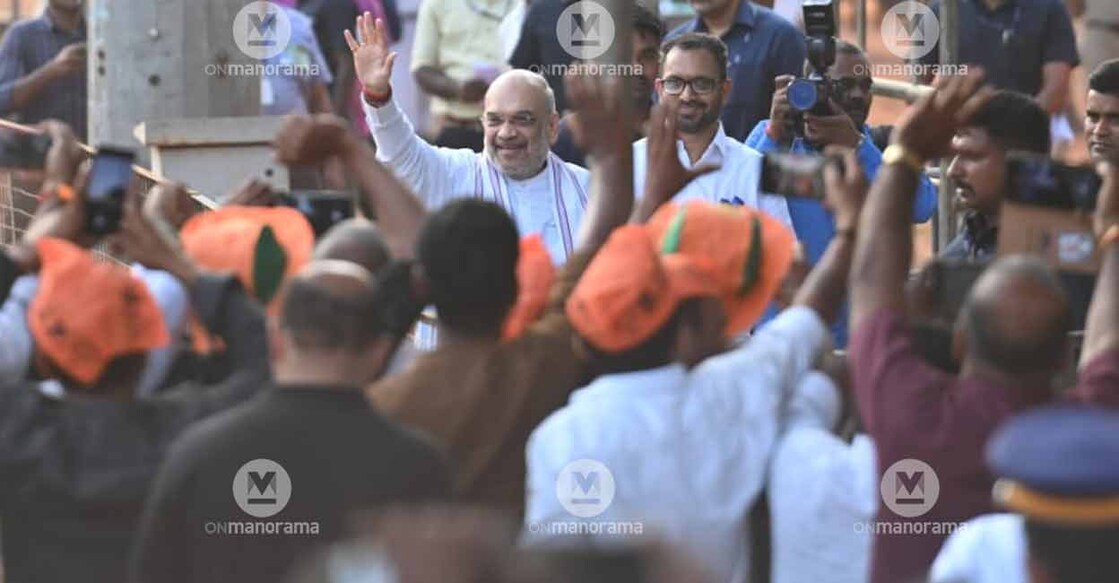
point(898, 154)
point(374, 99)
point(62, 191)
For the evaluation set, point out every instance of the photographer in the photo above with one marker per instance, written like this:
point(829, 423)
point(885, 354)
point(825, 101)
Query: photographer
point(847, 127)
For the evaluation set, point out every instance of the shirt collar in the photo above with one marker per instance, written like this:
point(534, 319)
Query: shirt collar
point(980, 233)
point(714, 154)
point(640, 384)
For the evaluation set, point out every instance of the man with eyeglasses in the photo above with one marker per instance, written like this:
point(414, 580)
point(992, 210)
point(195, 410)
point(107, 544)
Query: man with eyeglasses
point(516, 170)
point(846, 127)
point(694, 82)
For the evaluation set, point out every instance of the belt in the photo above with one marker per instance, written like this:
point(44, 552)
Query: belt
point(1092, 23)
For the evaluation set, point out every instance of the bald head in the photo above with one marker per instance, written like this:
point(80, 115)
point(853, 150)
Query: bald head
point(354, 240)
point(520, 123)
point(1017, 318)
point(329, 306)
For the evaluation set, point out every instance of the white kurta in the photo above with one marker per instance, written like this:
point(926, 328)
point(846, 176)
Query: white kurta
point(736, 181)
point(987, 549)
point(552, 203)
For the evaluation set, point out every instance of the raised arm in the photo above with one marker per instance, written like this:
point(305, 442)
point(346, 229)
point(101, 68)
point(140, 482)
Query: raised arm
point(313, 139)
point(1102, 332)
point(882, 260)
point(665, 175)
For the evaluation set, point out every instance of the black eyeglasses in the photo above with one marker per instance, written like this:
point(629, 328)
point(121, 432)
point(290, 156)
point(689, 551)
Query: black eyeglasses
point(699, 85)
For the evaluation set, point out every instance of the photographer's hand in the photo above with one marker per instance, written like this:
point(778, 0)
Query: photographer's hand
point(836, 129)
point(780, 112)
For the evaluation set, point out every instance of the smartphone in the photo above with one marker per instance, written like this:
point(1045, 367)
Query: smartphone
point(109, 177)
point(793, 175)
point(1036, 180)
point(25, 151)
point(323, 208)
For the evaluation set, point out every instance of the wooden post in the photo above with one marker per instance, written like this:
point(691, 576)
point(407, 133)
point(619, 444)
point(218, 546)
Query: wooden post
point(159, 59)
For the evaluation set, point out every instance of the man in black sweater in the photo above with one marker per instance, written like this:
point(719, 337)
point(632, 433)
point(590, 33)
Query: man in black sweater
point(246, 494)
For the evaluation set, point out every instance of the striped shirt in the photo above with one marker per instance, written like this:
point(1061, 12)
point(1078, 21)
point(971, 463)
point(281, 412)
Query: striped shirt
point(27, 46)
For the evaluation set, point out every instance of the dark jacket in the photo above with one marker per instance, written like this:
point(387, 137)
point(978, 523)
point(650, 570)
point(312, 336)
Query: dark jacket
point(74, 471)
point(244, 495)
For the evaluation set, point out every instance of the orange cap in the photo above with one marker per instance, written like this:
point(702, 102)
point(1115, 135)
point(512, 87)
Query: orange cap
point(751, 252)
point(264, 246)
point(628, 292)
point(86, 313)
point(535, 274)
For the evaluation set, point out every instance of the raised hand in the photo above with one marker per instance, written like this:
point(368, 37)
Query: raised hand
point(170, 203)
point(64, 156)
point(836, 129)
point(845, 187)
point(926, 128)
point(305, 140)
point(780, 112)
point(372, 58)
point(142, 241)
point(253, 192)
point(1107, 204)
point(598, 122)
point(665, 175)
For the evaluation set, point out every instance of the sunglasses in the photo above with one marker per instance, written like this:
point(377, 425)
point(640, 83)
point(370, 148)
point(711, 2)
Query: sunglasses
point(699, 85)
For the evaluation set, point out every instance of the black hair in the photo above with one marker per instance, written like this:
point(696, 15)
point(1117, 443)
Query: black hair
point(647, 23)
point(318, 318)
point(698, 41)
point(1015, 122)
point(1105, 77)
point(468, 250)
point(1018, 353)
point(1079, 554)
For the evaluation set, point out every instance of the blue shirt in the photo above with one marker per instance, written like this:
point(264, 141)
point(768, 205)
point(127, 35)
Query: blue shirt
point(27, 46)
point(299, 67)
point(814, 225)
point(1013, 41)
point(760, 46)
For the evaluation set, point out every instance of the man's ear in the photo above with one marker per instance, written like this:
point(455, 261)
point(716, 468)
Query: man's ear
point(277, 343)
point(553, 128)
point(379, 355)
point(725, 90)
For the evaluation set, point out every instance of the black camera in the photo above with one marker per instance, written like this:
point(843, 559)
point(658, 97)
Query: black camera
point(323, 208)
point(812, 93)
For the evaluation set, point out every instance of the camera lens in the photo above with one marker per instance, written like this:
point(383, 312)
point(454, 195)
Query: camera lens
point(802, 94)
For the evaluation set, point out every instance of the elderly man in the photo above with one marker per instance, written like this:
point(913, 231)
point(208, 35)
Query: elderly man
point(694, 81)
point(516, 170)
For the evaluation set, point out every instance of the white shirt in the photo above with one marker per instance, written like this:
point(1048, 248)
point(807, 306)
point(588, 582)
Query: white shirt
point(738, 176)
point(687, 451)
point(551, 203)
point(823, 492)
point(986, 549)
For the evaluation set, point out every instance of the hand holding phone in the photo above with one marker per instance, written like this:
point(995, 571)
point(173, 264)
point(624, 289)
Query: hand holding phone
point(323, 208)
point(793, 175)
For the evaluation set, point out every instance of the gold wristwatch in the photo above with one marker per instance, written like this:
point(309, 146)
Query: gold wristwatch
point(897, 154)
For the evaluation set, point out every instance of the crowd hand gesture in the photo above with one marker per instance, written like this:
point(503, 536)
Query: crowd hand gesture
point(926, 128)
point(845, 187)
point(372, 58)
point(64, 157)
point(471, 91)
point(836, 129)
point(142, 241)
point(780, 112)
point(598, 121)
point(70, 60)
point(170, 203)
point(252, 192)
point(665, 175)
point(309, 140)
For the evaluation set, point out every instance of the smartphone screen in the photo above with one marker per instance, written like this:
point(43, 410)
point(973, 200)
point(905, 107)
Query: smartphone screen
point(1036, 180)
point(795, 175)
point(109, 176)
point(323, 208)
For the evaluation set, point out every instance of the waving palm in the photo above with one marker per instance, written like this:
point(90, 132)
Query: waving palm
point(372, 58)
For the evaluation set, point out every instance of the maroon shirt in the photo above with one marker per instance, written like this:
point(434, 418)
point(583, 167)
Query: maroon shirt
point(913, 410)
